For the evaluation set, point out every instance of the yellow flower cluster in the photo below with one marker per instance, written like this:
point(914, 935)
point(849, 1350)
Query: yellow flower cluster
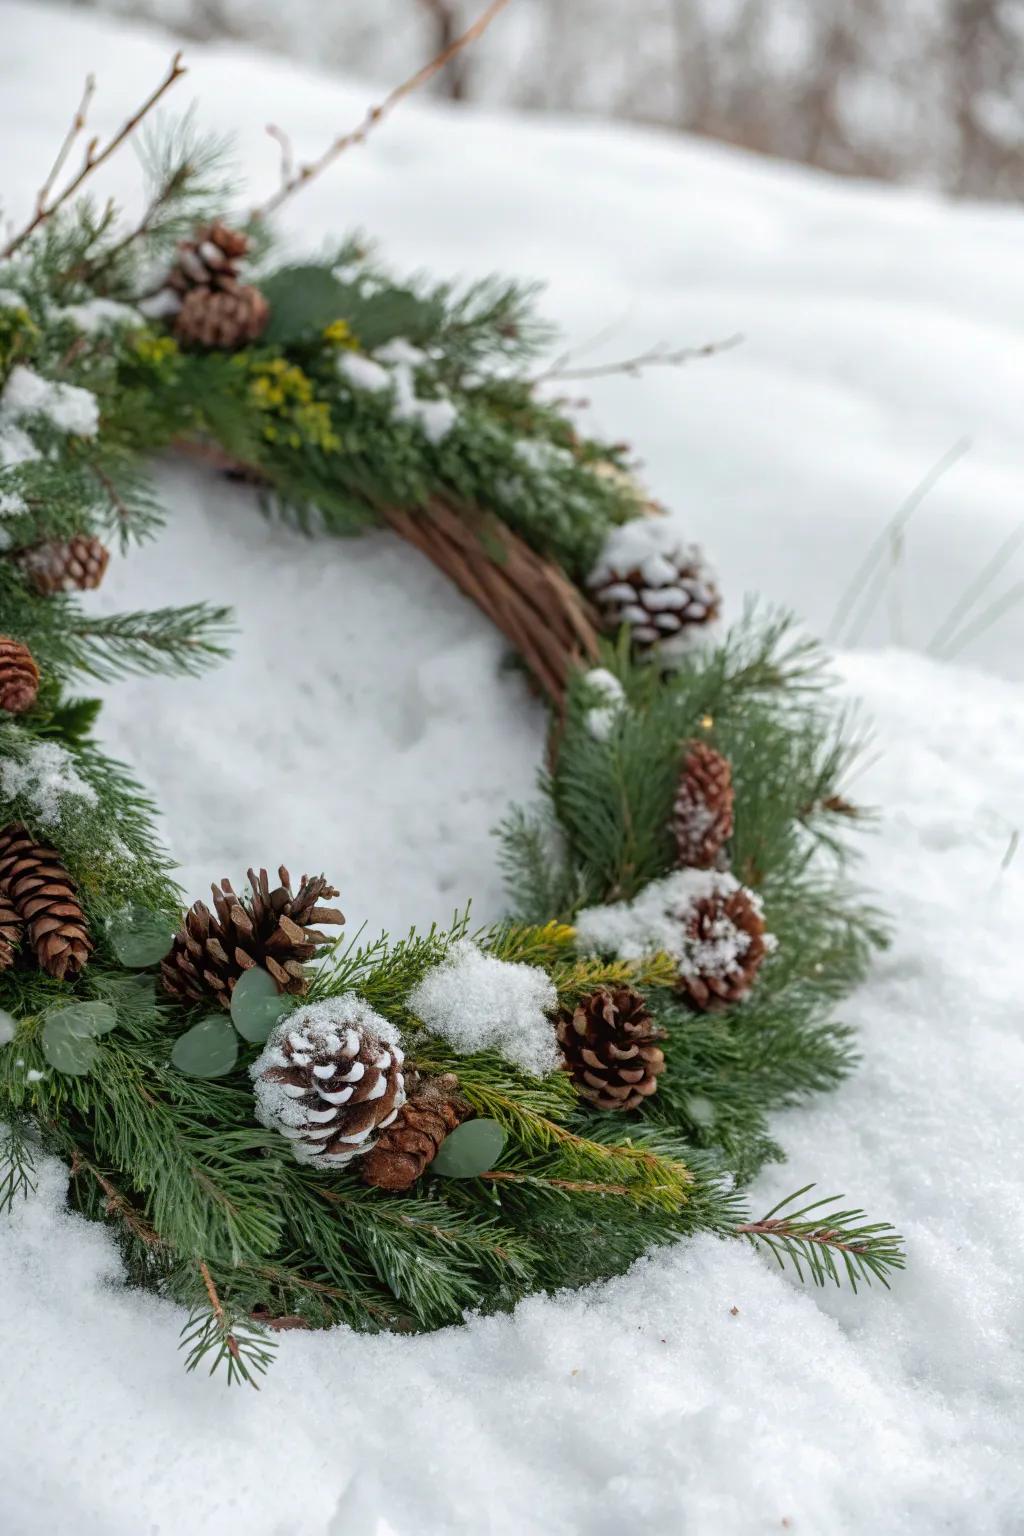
point(294, 417)
point(154, 349)
point(339, 334)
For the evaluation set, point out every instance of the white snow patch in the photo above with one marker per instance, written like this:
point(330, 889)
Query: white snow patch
point(477, 1002)
point(16, 447)
point(655, 546)
point(10, 300)
point(602, 717)
point(95, 315)
point(363, 372)
point(45, 777)
point(66, 406)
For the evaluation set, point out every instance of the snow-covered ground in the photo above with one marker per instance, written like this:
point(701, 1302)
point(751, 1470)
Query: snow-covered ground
point(365, 727)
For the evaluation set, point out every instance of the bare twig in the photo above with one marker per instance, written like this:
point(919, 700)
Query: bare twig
point(75, 128)
point(284, 144)
point(660, 356)
point(306, 172)
point(95, 155)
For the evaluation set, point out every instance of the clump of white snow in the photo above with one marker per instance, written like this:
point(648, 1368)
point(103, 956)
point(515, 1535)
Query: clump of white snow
point(655, 547)
point(601, 717)
point(363, 372)
point(16, 447)
point(657, 920)
point(434, 417)
point(65, 406)
point(477, 1002)
point(97, 314)
point(46, 777)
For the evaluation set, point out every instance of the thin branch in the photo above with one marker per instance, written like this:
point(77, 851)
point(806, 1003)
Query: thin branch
point(572, 1186)
point(284, 144)
point(660, 356)
point(75, 128)
point(94, 157)
point(305, 173)
point(217, 1308)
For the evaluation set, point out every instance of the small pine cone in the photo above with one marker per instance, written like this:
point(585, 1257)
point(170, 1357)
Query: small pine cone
point(268, 928)
point(608, 1041)
point(723, 941)
point(64, 565)
point(405, 1149)
point(19, 676)
point(702, 817)
point(10, 931)
point(222, 318)
point(211, 260)
point(656, 584)
point(330, 1080)
point(45, 898)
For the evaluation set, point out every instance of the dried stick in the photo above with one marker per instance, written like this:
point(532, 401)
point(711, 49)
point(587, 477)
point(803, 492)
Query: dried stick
point(95, 155)
point(76, 126)
point(298, 177)
point(660, 356)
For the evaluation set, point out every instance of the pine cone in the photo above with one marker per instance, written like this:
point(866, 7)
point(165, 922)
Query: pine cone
point(61, 565)
point(211, 260)
point(223, 317)
point(608, 1041)
point(10, 931)
point(266, 928)
point(404, 1150)
point(654, 582)
point(19, 676)
point(45, 898)
point(723, 942)
point(330, 1080)
point(702, 817)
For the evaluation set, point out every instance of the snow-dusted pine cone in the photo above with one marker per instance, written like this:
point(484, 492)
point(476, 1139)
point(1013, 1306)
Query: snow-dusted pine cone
point(10, 931)
point(702, 817)
point(66, 565)
point(222, 318)
point(212, 259)
point(405, 1150)
point(45, 898)
point(650, 579)
point(19, 676)
point(330, 1080)
point(268, 928)
point(609, 1043)
point(722, 941)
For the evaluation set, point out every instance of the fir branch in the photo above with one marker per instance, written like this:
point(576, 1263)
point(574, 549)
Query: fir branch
point(17, 1165)
point(95, 155)
point(864, 1250)
point(183, 640)
point(242, 1346)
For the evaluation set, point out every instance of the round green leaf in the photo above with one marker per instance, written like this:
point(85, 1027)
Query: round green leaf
point(68, 1045)
point(8, 1027)
point(140, 937)
point(85, 1019)
point(256, 1005)
point(208, 1049)
point(469, 1150)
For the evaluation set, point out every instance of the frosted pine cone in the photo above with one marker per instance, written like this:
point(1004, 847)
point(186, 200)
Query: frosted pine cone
point(265, 927)
point(19, 676)
point(211, 260)
point(650, 579)
point(702, 817)
point(330, 1080)
point(609, 1041)
point(66, 565)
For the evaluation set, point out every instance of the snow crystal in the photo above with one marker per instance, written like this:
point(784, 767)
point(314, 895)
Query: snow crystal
point(477, 1002)
point(99, 315)
point(362, 372)
point(654, 546)
point(655, 920)
point(602, 717)
point(45, 777)
point(65, 406)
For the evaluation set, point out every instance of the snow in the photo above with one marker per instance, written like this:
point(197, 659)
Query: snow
point(477, 1002)
point(362, 372)
point(46, 777)
point(100, 315)
point(703, 1393)
point(602, 717)
point(64, 406)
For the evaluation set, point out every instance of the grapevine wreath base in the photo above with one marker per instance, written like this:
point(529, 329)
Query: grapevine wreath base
point(288, 1129)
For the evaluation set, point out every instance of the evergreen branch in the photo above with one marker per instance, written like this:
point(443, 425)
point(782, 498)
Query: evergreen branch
point(94, 157)
point(301, 176)
point(866, 1250)
point(245, 1349)
point(17, 1167)
point(182, 640)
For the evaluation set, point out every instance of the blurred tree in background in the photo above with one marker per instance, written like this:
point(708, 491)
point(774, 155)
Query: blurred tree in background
point(923, 91)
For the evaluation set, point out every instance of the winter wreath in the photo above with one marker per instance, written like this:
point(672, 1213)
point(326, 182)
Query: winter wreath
point(288, 1130)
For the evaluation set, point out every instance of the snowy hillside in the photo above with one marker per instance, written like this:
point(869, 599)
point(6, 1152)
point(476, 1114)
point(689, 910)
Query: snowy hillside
point(366, 726)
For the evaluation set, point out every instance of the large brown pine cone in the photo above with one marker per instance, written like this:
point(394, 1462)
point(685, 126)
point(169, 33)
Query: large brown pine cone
point(64, 565)
point(723, 941)
point(221, 317)
point(330, 1080)
point(655, 583)
point(10, 931)
point(404, 1150)
point(19, 676)
point(210, 260)
point(608, 1041)
point(268, 928)
point(702, 817)
point(45, 897)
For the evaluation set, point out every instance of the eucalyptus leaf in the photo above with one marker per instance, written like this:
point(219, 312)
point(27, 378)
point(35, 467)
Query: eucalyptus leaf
point(140, 937)
point(69, 1041)
point(305, 299)
point(257, 1005)
point(208, 1049)
point(469, 1150)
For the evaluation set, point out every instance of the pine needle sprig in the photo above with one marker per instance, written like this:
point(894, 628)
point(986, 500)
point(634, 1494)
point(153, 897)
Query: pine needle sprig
point(238, 1343)
point(830, 1243)
point(17, 1166)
